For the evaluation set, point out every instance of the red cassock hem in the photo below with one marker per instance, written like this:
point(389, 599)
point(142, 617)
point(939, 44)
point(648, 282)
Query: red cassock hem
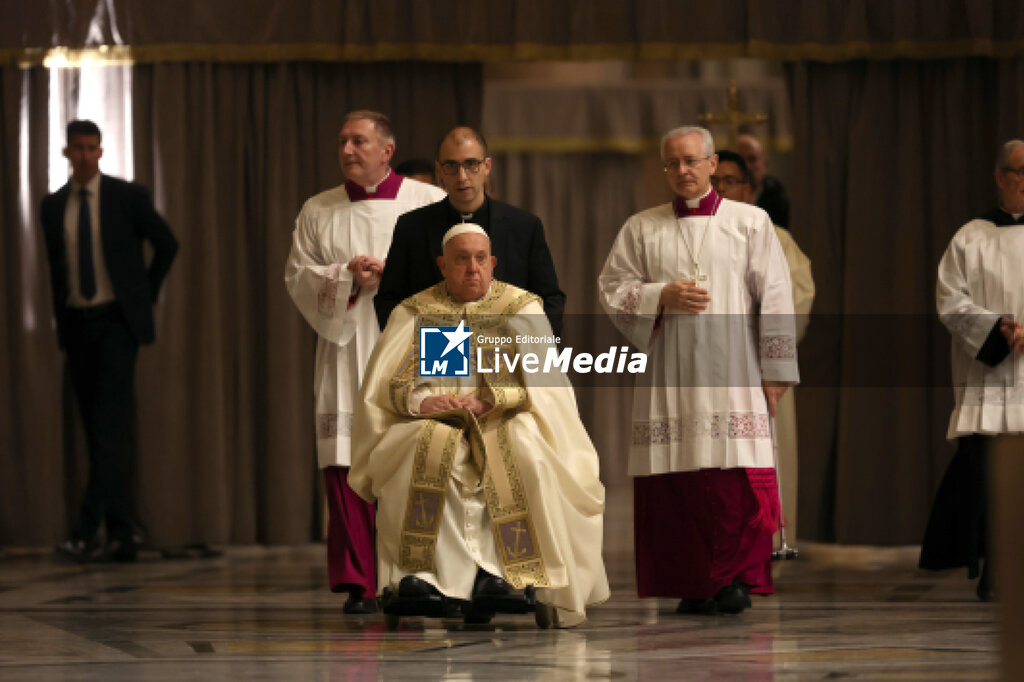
point(350, 555)
point(697, 532)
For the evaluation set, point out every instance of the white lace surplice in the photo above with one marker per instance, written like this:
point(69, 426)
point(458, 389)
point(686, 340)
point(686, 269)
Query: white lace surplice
point(701, 404)
point(330, 231)
point(980, 279)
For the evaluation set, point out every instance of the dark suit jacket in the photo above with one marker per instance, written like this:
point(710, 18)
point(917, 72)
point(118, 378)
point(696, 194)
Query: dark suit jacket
point(517, 240)
point(774, 200)
point(127, 219)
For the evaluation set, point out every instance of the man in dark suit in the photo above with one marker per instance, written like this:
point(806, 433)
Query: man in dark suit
point(517, 237)
point(103, 295)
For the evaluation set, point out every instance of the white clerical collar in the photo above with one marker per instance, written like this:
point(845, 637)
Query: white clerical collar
point(372, 189)
point(1016, 216)
point(694, 203)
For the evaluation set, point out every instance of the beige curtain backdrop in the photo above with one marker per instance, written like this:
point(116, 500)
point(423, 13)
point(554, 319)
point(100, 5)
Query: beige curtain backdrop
point(893, 158)
point(32, 471)
point(627, 116)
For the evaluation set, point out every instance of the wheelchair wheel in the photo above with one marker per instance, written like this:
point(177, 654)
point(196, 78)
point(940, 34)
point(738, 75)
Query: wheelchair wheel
point(391, 621)
point(472, 615)
point(546, 616)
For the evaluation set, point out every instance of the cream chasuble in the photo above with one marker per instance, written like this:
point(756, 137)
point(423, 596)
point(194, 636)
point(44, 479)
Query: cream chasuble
point(785, 410)
point(330, 231)
point(514, 491)
point(803, 282)
point(701, 404)
point(980, 280)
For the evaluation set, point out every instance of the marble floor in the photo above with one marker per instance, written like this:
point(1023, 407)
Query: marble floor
point(263, 614)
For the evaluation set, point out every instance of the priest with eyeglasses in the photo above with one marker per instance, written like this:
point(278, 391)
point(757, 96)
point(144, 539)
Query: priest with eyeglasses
point(516, 236)
point(701, 284)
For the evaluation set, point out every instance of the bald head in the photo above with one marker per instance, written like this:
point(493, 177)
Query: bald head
point(752, 152)
point(460, 134)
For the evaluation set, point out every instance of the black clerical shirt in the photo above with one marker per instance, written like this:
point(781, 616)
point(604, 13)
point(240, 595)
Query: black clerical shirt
point(481, 216)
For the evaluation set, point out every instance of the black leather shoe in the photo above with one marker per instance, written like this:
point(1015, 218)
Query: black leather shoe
point(411, 586)
point(359, 605)
point(488, 585)
point(733, 599)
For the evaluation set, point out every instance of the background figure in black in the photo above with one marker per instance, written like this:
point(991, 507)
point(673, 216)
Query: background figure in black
point(517, 237)
point(769, 193)
point(978, 297)
point(103, 295)
point(417, 169)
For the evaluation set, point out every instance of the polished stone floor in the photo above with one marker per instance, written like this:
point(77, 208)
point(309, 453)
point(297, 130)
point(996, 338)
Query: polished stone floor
point(263, 614)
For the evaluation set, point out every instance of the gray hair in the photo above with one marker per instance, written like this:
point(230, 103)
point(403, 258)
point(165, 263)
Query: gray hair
point(1005, 151)
point(705, 136)
point(381, 124)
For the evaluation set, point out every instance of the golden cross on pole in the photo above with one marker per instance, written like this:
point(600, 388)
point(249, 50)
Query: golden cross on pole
point(732, 117)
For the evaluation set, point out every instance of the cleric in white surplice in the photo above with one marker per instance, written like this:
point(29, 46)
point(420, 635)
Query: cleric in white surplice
point(340, 240)
point(980, 300)
point(702, 285)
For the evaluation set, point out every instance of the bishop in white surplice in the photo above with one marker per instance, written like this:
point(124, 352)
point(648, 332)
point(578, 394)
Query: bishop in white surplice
point(339, 244)
point(702, 285)
point(704, 405)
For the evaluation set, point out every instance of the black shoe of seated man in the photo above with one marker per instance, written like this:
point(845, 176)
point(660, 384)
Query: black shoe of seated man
point(488, 585)
point(411, 586)
point(699, 607)
point(357, 604)
point(733, 599)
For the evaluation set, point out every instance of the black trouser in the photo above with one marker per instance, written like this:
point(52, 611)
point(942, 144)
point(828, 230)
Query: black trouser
point(101, 352)
point(957, 531)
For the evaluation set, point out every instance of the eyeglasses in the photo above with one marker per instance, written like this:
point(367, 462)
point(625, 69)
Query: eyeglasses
point(675, 164)
point(1019, 172)
point(472, 166)
point(727, 180)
